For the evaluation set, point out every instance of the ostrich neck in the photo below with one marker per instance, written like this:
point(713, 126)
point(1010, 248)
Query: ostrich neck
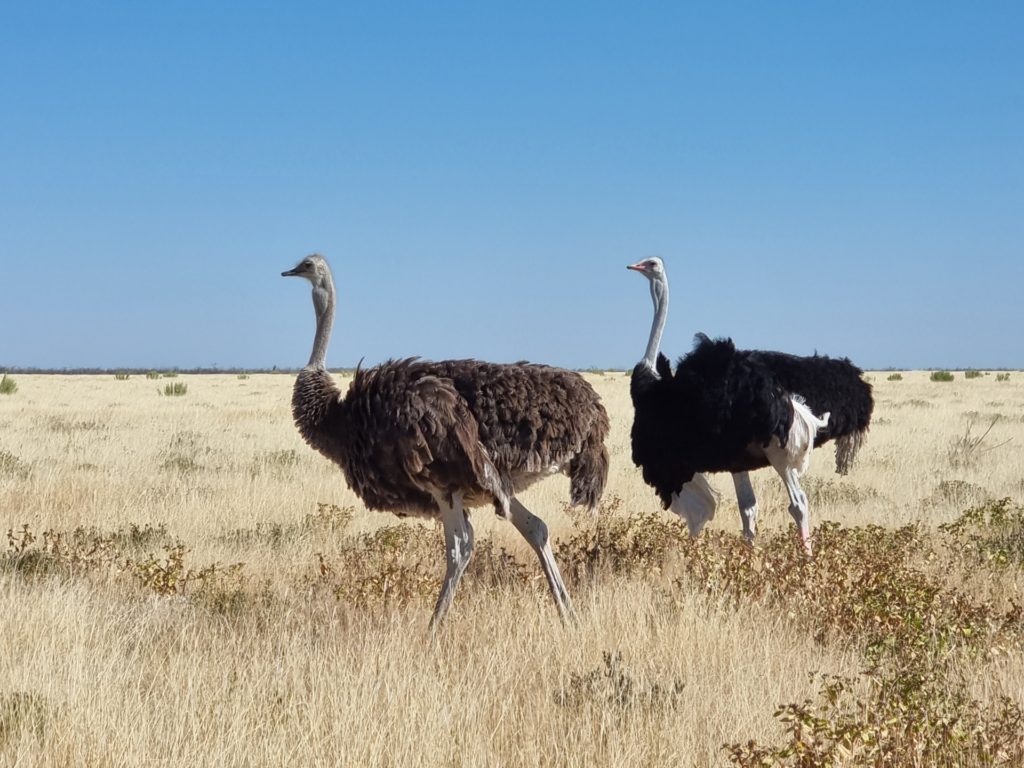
point(323, 303)
point(659, 294)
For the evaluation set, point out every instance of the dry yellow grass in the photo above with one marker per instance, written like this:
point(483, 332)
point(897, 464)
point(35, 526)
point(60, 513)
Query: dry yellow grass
point(96, 669)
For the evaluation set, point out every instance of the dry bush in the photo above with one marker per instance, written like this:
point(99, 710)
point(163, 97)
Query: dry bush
point(967, 449)
point(636, 543)
point(612, 687)
point(910, 715)
point(993, 533)
point(13, 467)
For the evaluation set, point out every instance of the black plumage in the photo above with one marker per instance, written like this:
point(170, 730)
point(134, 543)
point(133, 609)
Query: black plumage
point(715, 413)
point(828, 385)
point(729, 410)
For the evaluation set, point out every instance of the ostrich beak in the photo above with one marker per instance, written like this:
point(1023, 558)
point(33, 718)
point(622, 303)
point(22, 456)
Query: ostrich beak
point(290, 273)
point(636, 267)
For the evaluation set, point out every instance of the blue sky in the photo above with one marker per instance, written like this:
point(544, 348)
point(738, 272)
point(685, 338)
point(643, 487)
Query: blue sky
point(840, 177)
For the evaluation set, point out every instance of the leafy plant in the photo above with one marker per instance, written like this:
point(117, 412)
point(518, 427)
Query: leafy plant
point(634, 543)
point(993, 532)
point(912, 713)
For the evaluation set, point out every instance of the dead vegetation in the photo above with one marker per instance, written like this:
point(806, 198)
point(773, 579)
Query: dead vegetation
point(193, 598)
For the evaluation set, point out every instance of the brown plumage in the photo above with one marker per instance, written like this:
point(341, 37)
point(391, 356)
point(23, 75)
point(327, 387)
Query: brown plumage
point(433, 438)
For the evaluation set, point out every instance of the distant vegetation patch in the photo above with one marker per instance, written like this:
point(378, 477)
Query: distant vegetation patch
point(12, 466)
point(176, 389)
point(941, 376)
point(152, 375)
point(121, 376)
point(894, 377)
point(1002, 377)
point(7, 385)
point(972, 374)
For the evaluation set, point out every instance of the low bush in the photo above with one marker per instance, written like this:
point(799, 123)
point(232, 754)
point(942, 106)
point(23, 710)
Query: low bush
point(176, 389)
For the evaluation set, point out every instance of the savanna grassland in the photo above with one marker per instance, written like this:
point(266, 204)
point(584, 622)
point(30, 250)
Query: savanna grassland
point(185, 583)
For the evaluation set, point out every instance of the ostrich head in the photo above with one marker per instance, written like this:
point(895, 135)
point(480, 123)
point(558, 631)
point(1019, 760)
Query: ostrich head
point(652, 268)
point(314, 268)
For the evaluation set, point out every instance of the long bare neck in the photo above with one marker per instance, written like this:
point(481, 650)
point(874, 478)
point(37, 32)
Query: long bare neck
point(323, 303)
point(659, 295)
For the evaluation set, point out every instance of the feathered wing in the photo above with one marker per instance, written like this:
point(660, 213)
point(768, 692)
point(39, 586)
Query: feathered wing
point(835, 386)
point(534, 419)
point(399, 434)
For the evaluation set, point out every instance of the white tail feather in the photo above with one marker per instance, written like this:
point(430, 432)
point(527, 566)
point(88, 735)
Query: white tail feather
point(696, 503)
point(801, 435)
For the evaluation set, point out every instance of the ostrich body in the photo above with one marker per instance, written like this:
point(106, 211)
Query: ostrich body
point(731, 410)
point(436, 438)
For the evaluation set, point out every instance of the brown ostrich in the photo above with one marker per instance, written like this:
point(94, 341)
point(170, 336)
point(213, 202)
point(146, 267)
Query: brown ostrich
point(434, 439)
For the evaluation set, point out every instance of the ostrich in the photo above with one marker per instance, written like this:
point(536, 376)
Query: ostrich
point(436, 438)
point(731, 410)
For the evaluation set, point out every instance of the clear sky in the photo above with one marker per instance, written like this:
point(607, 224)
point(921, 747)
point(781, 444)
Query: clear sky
point(846, 177)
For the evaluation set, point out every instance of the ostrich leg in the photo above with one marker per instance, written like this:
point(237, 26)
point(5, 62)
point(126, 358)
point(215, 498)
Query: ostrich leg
point(458, 548)
point(747, 502)
point(535, 531)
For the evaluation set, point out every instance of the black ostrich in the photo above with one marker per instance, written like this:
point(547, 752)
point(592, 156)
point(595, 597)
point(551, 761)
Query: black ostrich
point(729, 410)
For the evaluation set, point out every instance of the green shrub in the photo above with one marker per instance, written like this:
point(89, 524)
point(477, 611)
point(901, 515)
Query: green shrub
point(243, 376)
point(972, 374)
point(176, 389)
point(894, 377)
point(993, 532)
point(1002, 377)
point(912, 713)
point(152, 375)
point(7, 385)
point(941, 376)
point(170, 374)
point(121, 376)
